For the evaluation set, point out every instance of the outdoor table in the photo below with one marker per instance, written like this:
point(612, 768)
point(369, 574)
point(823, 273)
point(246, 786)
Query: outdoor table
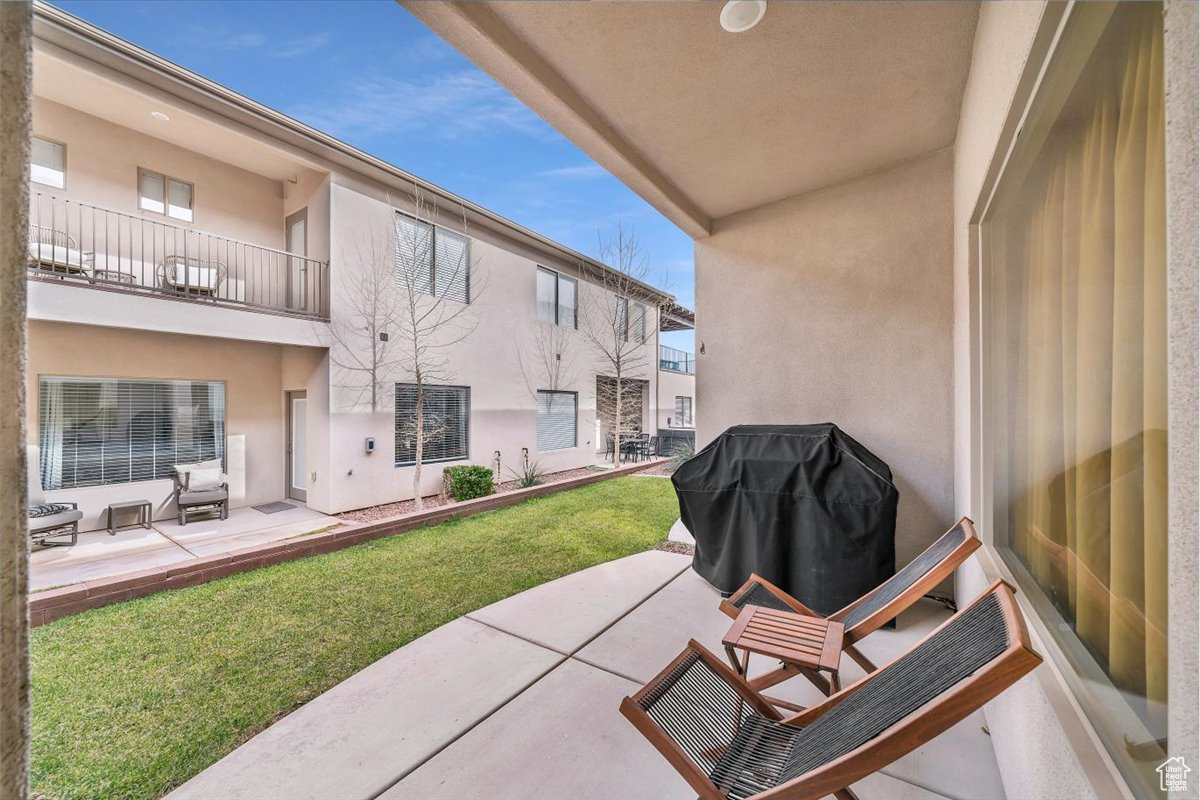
point(144, 509)
point(803, 645)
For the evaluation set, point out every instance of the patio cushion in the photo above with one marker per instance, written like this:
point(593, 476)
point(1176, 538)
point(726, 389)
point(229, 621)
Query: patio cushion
point(46, 509)
point(54, 520)
point(202, 498)
point(201, 480)
point(193, 277)
point(57, 256)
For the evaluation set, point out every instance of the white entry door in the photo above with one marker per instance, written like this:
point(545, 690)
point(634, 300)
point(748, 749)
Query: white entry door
point(297, 447)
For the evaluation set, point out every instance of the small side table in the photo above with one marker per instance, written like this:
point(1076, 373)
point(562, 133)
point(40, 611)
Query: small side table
point(144, 508)
point(803, 645)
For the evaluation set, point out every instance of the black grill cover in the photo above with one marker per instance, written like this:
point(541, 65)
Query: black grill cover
point(804, 506)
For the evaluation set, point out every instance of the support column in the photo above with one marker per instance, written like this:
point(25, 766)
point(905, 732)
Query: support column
point(15, 115)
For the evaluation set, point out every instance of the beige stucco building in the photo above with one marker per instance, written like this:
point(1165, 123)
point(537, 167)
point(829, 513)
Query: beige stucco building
point(968, 232)
point(195, 259)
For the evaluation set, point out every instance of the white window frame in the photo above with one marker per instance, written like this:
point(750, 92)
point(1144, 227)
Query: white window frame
point(436, 232)
point(680, 420)
point(462, 455)
point(167, 180)
point(574, 419)
point(62, 170)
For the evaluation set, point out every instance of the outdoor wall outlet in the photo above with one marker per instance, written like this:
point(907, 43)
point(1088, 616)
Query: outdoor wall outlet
point(370, 445)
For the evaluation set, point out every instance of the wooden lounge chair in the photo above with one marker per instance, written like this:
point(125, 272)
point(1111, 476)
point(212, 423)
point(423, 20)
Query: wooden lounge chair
point(727, 741)
point(883, 603)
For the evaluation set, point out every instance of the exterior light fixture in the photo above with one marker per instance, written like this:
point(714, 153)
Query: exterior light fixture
point(160, 116)
point(738, 16)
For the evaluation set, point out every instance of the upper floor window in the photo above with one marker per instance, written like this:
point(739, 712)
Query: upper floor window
point(165, 195)
point(631, 318)
point(438, 260)
point(97, 431)
point(48, 163)
point(557, 298)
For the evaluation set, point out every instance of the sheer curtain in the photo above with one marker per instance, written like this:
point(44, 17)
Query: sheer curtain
point(1080, 294)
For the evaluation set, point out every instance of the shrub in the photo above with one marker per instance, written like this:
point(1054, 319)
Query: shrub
point(468, 481)
point(680, 453)
point(531, 474)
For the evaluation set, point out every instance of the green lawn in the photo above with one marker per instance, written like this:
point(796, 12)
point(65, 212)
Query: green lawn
point(131, 700)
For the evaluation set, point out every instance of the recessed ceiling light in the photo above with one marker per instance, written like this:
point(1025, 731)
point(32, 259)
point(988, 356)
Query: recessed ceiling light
point(741, 15)
point(160, 116)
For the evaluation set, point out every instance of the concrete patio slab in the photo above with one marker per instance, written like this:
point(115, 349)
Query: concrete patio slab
point(680, 533)
point(358, 738)
point(562, 738)
point(636, 647)
point(244, 528)
point(564, 614)
point(99, 555)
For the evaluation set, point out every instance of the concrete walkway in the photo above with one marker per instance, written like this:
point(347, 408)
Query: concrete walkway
point(100, 555)
point(519, 700)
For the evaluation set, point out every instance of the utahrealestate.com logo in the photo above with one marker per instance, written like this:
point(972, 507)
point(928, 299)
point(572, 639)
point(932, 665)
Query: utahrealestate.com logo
point(1172, 775)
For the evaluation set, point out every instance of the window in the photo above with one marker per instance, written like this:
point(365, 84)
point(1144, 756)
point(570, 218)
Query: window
point(1074, 370)
point(557, 298)
point(48, 163)
point(446, 424)
point(438, 260)
point(164, 195)
point(631, 318)
point(97, 431)
point(556, 415)
point(683, 411)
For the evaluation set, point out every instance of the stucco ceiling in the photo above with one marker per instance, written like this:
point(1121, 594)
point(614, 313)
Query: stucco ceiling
point(705, 123)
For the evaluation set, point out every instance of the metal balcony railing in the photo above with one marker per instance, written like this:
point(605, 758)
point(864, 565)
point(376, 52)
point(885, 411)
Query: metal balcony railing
point(78, 242)
point(674, 360)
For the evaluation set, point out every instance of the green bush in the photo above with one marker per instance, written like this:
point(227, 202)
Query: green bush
point(468, 481)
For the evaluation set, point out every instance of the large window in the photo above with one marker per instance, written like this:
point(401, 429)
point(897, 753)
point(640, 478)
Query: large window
point(556, 416)
point(631, 318)
point(438, 260)
point(1075, 372)
point(683, 411)
point(446, 423)
point(48, 163)
point(165, 195)
point(557, 298)
point(95, 431)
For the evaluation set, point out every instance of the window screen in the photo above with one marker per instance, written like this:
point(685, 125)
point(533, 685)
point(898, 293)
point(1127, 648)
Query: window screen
point(96, 431)
point(438, 259)
point(556, 414)
point(48, 163)
point(447, 423)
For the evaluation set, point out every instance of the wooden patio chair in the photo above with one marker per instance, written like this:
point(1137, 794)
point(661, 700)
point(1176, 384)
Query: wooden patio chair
point(883, 603)
point(727, 741)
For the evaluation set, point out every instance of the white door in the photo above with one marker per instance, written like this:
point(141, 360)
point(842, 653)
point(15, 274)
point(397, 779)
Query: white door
point(297, 449)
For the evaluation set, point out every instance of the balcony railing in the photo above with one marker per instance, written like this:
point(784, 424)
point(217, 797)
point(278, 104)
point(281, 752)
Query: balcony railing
point(73, 241)
point(674, 360)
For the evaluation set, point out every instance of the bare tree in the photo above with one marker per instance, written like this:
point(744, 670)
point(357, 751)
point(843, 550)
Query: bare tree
point(616, 318)
point(547, 357)
point(407, 306)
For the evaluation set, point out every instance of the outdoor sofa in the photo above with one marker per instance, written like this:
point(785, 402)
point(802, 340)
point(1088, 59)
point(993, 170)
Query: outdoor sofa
point(200, 488)
point(48, 522)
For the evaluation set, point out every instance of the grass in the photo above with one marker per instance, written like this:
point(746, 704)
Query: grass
point(131, 700)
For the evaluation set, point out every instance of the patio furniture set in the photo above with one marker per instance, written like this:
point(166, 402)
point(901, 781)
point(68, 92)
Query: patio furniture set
point(199, 488)
point(634, 446)
point(57, 252)
point(711, 721)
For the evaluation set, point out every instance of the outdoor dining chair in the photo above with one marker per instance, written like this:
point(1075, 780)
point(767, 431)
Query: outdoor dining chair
point(883, 603)
point(727, 741)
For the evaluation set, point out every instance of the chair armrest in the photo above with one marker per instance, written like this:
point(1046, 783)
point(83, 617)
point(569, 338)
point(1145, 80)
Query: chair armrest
point(730, 605)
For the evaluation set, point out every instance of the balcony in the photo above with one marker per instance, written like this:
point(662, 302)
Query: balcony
point(80, 243)
point(673, 360)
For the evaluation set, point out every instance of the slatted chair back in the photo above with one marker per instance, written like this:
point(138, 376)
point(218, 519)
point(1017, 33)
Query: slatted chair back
point(954, 671)
point(40, 234)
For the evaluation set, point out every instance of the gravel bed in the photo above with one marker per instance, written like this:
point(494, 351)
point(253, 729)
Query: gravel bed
point(389, 510)
point(677, 547)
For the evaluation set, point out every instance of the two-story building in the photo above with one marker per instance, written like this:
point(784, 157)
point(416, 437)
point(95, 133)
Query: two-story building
point(194, 263)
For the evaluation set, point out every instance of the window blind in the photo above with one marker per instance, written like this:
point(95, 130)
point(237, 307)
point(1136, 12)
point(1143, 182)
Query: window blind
point(683, 411)
point(439, 260)
point(447, 423)
point(556, 298)
point(414, 253)
point(97, 431)
point(556, 415)
point(452, 273)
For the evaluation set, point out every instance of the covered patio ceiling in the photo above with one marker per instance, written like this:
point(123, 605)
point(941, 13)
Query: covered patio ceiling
point(704, 123)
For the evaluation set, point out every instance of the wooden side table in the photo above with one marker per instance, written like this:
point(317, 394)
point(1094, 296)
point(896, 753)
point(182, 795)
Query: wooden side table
point(803, 645)
point(144, 508)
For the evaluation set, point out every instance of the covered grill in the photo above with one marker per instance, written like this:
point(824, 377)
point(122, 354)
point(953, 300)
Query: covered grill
point(804, 506)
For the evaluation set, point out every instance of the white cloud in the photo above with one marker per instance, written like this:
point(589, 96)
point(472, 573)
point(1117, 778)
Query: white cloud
point(451, 105)
point(301, 46)
point(581, 171)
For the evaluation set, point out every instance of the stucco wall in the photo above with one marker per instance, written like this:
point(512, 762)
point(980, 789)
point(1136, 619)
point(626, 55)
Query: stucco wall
point(254, 383)
point(835, 306)
point(503, 408)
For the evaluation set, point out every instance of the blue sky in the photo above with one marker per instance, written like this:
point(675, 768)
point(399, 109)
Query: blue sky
point(375, 77)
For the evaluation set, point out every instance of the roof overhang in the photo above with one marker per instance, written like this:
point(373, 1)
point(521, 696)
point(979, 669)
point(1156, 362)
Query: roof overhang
point(675, 317)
